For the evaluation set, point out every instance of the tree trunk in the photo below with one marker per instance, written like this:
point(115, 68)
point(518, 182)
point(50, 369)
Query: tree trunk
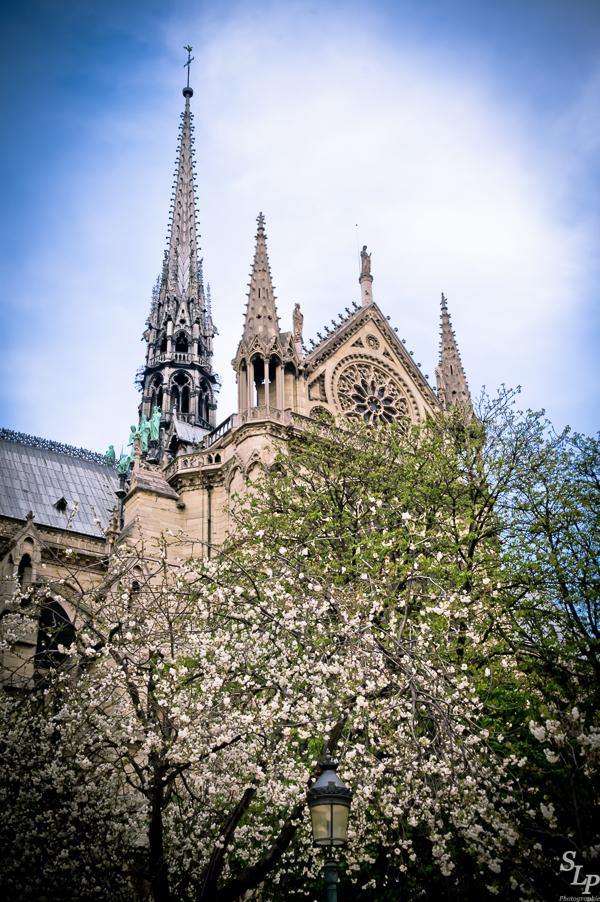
point(159, 875)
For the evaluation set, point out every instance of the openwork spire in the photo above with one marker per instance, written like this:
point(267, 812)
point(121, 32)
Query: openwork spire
point(183, 245)
point(451, 380)
point(261, 313)
point(178, 374)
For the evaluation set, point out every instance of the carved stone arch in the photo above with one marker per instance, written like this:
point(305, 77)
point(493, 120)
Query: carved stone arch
point(68, 605)
point(25, 556)
point(205, 399)
point(181, 386)
point(156, 391)
point(56, 628)
point(182, 341)
point(254, 468)
point(276, 347)
point(366, 388)
point(255, 458)
point(233, 464)
point(138, 578)
point(257, 347)
point(237, 468)
point(179, 377)
point(25, 571)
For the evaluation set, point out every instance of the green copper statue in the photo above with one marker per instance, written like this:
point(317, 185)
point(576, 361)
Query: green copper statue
point(123, 465)
point(110, 456)
point(144, 431)
point(155, 424)
point(131, 438)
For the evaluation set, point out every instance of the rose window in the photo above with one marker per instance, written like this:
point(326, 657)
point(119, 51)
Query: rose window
point(369, 394)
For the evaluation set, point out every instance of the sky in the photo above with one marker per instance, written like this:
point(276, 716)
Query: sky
point(458, 139)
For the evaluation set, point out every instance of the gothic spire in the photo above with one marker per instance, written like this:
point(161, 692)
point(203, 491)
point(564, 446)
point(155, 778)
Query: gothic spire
point(451, 379)
point(178, 374)
point(183, 248)
point(261, 313)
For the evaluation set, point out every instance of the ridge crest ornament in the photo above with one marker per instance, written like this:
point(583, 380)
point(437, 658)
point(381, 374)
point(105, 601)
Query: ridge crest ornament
point(366, 392)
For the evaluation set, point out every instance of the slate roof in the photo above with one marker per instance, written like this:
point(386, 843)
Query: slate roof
point(186, 432)
point(35, 479)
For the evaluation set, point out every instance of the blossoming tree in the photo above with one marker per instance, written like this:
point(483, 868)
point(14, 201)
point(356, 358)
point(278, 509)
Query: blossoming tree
point(365, 605)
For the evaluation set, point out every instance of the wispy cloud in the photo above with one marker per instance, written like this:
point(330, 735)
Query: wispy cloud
point(321, 121)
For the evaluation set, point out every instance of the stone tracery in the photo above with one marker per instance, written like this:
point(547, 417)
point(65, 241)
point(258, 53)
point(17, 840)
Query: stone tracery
point(369, 393)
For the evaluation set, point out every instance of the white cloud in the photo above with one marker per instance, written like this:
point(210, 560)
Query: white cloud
point(321, 125)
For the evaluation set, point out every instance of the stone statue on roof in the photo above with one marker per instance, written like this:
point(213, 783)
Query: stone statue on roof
point(155, 424)
point(298, 323)
point(365, 260)
point(144, 431)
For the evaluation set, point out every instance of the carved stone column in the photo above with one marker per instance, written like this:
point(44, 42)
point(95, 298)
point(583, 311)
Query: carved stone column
point(250, 385)
point(280, 386)
point(266, 361)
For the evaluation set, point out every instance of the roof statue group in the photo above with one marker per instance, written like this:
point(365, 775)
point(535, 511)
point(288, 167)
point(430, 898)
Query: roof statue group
point(148, 431)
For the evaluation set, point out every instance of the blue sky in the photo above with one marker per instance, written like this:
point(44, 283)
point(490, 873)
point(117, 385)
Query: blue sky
point(463, 136)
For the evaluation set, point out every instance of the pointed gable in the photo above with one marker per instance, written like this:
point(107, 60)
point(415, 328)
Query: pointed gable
point(361, 369)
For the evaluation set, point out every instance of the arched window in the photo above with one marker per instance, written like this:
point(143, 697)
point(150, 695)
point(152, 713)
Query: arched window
point(157, 394)
point(163, 345)
point(24, 571)
point(185, 399)
point(55, 629)
point(181, 391)
point(181, 343)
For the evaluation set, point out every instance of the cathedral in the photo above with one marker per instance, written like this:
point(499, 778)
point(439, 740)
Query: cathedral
point(184, 465)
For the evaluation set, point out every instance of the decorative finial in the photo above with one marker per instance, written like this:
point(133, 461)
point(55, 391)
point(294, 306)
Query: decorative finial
point(187, 91)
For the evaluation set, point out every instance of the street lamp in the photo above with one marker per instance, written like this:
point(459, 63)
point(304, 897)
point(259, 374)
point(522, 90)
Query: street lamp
point(329, 803)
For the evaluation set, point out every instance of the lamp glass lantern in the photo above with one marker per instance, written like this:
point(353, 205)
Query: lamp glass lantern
point(329, 802)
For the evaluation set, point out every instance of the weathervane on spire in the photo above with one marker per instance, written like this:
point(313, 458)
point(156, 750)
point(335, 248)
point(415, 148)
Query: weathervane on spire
point(188, 63)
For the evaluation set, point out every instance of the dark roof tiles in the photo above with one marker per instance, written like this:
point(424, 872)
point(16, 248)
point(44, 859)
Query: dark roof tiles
point(35, 479)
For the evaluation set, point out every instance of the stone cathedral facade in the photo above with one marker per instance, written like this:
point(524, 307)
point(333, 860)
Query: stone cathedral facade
point(358, 369)
point(53, 498)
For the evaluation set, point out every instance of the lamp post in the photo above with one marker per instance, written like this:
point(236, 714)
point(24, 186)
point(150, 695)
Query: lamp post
point(329, 803)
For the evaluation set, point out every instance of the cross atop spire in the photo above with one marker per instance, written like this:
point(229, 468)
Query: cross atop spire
point(451, 380)
point(188, 64)
point(261, 313)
